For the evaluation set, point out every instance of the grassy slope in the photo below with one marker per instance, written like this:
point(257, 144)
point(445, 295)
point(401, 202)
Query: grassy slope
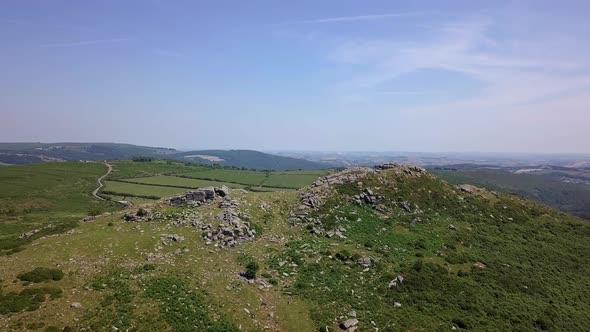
point(537, 262)
point(35, 196)
point(569, 197)
point(536, 275)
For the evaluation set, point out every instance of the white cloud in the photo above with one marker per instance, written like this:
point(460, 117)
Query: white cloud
point(512, 75)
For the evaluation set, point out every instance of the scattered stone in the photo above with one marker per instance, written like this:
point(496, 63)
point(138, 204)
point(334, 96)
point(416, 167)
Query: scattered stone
point(466, 188)
point(364, 262)
point(397, 305)
point(479, 265)
point(406, 206)
point(352, 314)
point(347, 324)
point(452, 227)
point(89, 219)
point(76, 305)
point(396, 281)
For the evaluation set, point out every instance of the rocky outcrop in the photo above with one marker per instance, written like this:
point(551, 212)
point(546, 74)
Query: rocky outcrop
point(200, 196)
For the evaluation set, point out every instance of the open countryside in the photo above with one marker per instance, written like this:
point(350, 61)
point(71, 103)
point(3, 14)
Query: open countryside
point(170, 178)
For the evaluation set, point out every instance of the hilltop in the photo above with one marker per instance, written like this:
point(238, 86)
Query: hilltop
point(27, 153)
point(389, 248)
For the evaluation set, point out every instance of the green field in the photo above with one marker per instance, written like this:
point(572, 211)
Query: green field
point(157, 192)
point(138, 181)
point(165, 180)
point(35, 196)
point(235, 176)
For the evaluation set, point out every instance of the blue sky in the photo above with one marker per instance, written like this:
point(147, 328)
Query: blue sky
point(505, 76)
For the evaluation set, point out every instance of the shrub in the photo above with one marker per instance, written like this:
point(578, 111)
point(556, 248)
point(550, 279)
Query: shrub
point(251, 270)
point(94, 212)
point(343, 255)
point(28, 299)
point(41, 274)
point(455, 258)
point(420, 245)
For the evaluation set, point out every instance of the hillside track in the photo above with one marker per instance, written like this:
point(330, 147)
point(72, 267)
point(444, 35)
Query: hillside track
point(99, 181)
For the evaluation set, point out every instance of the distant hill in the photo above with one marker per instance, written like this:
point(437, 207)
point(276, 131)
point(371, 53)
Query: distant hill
point(565, 188)
point(28, 153)
point(248, 159)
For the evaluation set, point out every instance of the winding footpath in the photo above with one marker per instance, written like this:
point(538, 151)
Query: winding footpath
point(100, 185)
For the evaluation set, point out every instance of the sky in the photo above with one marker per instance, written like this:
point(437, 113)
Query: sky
point(330, 75)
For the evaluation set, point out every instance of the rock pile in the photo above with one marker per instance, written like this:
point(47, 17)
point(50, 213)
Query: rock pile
point(200, 196)
point(172, 237)
point(142, 215)
point(232, 230)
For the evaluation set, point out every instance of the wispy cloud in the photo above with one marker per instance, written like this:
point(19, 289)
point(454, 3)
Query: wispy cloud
point(468, 47)
point(86, 42)
point(356, 18)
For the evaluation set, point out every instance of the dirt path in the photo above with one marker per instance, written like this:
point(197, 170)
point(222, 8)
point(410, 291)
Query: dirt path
point(100, 185)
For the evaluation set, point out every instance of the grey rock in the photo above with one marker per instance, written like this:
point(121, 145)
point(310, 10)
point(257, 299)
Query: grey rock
point(406, 206)
point(222, 191)
point(364, 262)
point(347, 324)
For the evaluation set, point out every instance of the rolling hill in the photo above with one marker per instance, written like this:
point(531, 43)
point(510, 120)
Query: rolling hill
point(27, 153)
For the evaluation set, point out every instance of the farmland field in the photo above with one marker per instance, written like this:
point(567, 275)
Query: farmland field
point(128, 189)
point(235, 176)
point(138, 181)
point(166, 180)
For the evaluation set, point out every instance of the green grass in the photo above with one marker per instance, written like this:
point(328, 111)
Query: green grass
point(535, 262)
point(143, 191)
point(39, 195)
point(223, 175)
point(124, 169)
point(29, 299)
point(508, 264)
point(293, 180)
point(184, 309)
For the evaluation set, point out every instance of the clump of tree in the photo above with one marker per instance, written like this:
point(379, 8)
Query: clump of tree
point(142, 159)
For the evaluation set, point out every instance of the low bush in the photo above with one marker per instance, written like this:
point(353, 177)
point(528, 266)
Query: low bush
point(29, 299)
point(41, 274)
